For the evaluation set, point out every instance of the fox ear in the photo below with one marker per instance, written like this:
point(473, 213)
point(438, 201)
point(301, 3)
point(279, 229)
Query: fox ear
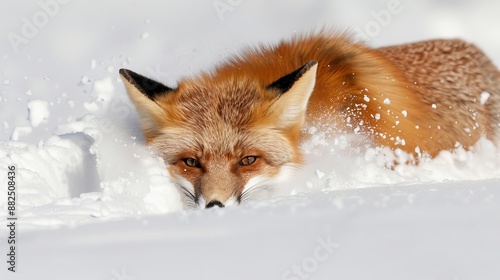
point(294, 91)
point(143, 93)
point(140, 84)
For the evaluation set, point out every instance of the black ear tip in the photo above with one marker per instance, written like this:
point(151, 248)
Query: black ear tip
point(286, 82)
point(123, 71)
point(146, 86)
point(131, 76)
point(126, 74)
point(308, 66)
point(312, 63)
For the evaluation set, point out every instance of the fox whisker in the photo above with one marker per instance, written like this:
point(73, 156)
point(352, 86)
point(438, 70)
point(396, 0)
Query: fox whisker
point(253, 190)
point(190, 199)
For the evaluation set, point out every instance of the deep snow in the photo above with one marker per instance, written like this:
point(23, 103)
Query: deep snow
point(94, 203)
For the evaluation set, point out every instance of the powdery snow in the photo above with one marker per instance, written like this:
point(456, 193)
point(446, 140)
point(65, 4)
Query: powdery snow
point(94, 203)
point(38, 112)
point(437, 231)
point(484, 97)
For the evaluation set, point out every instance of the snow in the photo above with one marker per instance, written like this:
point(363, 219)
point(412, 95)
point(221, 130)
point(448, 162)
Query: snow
point(94, 203)
point(19, 131)
point(38, 112)
point(440, 231)
point(484, 97)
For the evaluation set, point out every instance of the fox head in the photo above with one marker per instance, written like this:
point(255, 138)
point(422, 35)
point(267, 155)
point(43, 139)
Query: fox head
point(223, 138)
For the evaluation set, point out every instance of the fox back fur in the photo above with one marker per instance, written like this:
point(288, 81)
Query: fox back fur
point(236, 129)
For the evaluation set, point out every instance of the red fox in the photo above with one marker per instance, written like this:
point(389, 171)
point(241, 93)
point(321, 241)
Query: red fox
point(228, 132)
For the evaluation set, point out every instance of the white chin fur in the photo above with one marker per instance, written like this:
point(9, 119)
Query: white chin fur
point(185, 184)
point(231, 201)
point(201, 202)
point(258, 183)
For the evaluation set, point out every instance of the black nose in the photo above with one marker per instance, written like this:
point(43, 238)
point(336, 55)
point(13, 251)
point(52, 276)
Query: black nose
point(214, 203)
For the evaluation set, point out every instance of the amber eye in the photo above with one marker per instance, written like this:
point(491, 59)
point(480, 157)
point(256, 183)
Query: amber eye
point(191, 162)
point(247, 160)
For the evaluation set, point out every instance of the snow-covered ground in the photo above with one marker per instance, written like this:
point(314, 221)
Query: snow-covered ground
point(94, 203)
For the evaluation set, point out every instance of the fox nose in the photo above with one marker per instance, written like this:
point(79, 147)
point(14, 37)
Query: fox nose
point(214, 203)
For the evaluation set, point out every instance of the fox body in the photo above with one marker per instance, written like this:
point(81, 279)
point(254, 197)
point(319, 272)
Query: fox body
point(236, 129)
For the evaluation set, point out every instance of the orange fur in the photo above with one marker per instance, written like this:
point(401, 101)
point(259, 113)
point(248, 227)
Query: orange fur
point(414, 78)
point(421, 98)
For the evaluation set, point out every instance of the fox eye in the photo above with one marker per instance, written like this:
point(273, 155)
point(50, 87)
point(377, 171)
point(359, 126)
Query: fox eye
point(247, 160)
point(191, 162)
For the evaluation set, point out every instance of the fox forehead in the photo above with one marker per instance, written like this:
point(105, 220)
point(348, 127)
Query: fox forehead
point(220, 138)
point(203, 103)
point(219, 118)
